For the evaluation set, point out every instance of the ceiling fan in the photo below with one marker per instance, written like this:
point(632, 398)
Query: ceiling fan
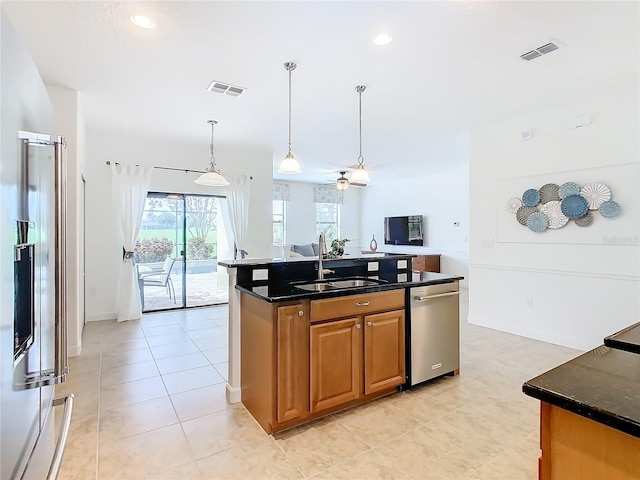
point(342, 182)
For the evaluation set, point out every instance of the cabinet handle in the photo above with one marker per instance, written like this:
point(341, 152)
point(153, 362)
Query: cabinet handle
point(369, 324)
point(363, 304)
point(300, 313)
point(357, 325)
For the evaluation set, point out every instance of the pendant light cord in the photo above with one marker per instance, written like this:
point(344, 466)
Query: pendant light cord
point(289, 110)
point(360, 89)
point(212, 166)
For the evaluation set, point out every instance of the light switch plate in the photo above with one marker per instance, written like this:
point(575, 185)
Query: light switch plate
point(372, 266)
point(260, 274)
point(402, 264)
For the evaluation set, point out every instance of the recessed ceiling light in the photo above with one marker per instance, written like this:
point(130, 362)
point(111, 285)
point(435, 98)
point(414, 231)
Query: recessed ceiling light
point(143, 21)
point(382, 38)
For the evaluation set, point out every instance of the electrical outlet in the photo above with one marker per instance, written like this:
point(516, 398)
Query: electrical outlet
point(530, 302)
point(487, 243)
point(402, 264)
point(372, 266)
point(260, 274)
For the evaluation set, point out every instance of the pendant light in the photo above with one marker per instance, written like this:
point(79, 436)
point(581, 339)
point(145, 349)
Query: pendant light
point(360, 174)
point(289, 164)
point(212, 177)
point(342, 183)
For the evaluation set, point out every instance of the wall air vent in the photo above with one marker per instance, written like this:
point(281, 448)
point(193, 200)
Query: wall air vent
point(538, 52)
point(226, 89)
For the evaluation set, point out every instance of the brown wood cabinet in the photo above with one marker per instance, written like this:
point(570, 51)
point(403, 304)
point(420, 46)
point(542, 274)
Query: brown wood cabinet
point(303, 359)
point(576, 447)
point(426, 263)
point(359, 354)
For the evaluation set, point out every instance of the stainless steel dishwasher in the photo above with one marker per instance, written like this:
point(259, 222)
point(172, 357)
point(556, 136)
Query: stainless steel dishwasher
point(434, 331)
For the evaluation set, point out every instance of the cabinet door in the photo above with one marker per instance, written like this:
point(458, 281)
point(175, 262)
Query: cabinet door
point(384, 361)
point(336, 350)
point(292, 369)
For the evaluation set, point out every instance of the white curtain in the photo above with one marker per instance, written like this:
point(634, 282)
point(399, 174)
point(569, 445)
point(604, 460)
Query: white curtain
point(129, 189)
point(238, 194)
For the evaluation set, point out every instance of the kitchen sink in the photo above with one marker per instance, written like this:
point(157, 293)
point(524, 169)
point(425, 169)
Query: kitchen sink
point(336, 284)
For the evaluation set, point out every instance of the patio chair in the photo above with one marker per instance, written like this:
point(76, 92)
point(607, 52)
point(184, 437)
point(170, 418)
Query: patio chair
point(161, 278)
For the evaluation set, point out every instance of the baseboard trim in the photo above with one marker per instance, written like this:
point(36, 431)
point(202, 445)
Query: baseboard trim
point(74, 350)
point(99, 317)
point(233, 394)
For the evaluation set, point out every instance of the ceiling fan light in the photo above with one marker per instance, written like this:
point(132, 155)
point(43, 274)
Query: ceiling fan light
point(359, 175)
point(212, 179)
point(289, 165)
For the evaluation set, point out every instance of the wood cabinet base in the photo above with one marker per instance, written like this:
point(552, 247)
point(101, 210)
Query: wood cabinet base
point(577, 447)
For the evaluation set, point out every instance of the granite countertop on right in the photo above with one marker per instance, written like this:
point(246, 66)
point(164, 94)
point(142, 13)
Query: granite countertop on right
point(627, 339)
point(602, 384)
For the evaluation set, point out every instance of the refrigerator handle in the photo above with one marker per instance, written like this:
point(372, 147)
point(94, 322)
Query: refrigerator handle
point(61, 367)
point(58, 453)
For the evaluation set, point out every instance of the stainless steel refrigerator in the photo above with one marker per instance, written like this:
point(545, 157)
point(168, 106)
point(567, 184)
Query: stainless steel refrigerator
point(33, 322)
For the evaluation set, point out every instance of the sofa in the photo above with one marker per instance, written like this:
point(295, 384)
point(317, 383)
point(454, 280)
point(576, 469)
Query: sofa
point(303, 250)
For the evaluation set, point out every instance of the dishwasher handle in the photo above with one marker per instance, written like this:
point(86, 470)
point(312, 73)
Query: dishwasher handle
point(429, 297)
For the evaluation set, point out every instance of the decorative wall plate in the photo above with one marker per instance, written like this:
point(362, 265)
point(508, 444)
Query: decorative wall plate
point(513, 205)
point(531, 197)
point(568, 188)
point(553, 211)
point(609, 209)
point(549, 193)
point(574, 206)
point(537, 222)
point(596, 194)
point(585, 220)
point(523, 213)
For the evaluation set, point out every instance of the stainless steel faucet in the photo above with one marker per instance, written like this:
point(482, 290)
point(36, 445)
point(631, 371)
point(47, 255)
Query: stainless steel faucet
point(321, 246)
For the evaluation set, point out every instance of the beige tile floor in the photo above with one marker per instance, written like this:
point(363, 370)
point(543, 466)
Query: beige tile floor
point(150, 403)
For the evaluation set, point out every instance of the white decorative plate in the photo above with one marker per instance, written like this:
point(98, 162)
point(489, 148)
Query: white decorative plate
point(549, 193)
point(513, 205)
point(553, 211)
point(595, 194)
point(568, 188)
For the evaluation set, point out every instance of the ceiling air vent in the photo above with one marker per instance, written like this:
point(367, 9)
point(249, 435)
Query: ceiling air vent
point(225, 88)
point(538, 52)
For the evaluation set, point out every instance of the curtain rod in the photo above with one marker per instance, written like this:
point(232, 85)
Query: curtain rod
point(185, 170)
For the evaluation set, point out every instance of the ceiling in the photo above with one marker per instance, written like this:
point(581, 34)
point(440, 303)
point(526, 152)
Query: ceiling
point(450, 67)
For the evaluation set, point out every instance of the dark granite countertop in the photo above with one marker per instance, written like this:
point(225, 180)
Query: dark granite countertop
point(602, 384)
point(287, 290)
point(627, 339)
point(256, 262)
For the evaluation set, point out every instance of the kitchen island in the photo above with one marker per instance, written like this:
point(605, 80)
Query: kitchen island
point(590, 415)
point(310, 348)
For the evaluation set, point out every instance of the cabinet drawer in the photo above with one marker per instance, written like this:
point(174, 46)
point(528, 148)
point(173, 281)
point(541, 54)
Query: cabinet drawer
point(349, 305)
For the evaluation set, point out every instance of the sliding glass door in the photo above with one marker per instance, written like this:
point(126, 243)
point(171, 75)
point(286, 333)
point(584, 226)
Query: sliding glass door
point(177, 251)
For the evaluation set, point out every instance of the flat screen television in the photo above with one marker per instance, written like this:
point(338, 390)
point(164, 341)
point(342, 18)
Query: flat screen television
point(404, 230)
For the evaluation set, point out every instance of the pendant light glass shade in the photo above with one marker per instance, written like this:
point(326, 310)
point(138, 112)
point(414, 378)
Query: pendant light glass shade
point(342, 183)
point(212, 177)
point(360, 174)
point(289, 165)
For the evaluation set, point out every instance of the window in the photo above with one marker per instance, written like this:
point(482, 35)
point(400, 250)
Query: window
point(328, 220)
point(279, 222)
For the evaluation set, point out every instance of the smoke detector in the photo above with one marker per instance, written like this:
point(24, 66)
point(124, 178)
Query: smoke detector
point(538, 52)
point(225, 88)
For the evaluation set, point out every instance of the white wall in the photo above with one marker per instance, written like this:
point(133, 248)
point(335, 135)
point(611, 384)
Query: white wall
point(570, 286)
point(104, 249)
point(301, 217)
point(442, 199)
point(68, 123)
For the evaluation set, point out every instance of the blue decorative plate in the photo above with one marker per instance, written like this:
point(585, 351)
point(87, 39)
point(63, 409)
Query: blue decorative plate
point(574, 206)
point(609, 209)
point(537, 222)
point(568, 188)
point(531, 197)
